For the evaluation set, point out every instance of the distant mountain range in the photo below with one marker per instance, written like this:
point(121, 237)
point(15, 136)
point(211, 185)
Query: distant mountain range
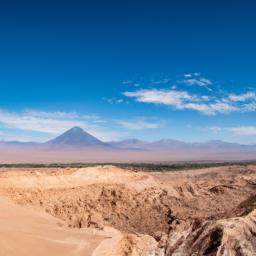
point(86, 147)
point(77, 138)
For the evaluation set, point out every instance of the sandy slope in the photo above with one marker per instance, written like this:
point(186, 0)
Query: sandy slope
point(25, 232)
point(28, 232)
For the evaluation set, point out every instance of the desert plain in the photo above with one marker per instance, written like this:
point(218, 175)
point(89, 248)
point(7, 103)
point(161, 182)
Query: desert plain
point(107, 210)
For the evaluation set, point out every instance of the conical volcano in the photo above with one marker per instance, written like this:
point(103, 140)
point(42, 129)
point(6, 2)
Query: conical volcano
point(76, 136)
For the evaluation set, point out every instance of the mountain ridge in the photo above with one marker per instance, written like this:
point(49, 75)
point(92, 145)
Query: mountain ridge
point(76, 137)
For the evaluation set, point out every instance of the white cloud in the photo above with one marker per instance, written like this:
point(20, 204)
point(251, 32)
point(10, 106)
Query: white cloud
point(243, 130)
point(242, 97)
point(55, 122)
point(160, 96)
point(56, 114)
point(37, 122)
point(182, 100)
point(194, 79)
point(203, 82)
point(215, 129)
point(206, 104)
point(205, 98)
point(249, 107)
point(188, 75)
point(115, 101)
point(198, 107)
point(138, 124)
point(238, 130)
point(210, 109)
point(222, 107)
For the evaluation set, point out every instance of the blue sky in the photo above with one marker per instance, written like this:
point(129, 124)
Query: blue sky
point(125, 69)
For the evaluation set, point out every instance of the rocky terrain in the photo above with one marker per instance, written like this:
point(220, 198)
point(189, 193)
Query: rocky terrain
point(106, 210)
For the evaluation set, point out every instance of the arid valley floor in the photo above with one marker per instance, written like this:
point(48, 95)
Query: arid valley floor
point(110, 211)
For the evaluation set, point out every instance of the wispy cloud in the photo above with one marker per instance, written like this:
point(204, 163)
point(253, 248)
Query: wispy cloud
point(160, 96)
point(115, 101)
point(54, 123)
point(139, 124)
point(192, 74)
point(243, 130)
point(195, 79)
point(250, 107)
point(238, 130)
point(215, 129)
point(206, 104)
point(242, 97)
point(198, 81)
